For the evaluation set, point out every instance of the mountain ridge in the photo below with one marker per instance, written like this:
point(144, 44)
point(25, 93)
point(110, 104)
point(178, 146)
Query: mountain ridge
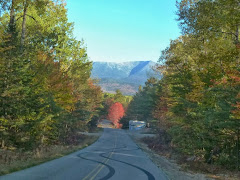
point(126, 76)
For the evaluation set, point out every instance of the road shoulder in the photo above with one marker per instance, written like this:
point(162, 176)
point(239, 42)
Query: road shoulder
point(169, 167)
point(13, 161)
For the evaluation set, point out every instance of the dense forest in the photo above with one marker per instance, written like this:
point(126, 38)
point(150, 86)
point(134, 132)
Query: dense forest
point(46, 91)
point(197, 102)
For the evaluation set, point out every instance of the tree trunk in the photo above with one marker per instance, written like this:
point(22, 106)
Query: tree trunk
point(24, 23)
point(238, 158)
point(237, 35)
point(3, 143)
point(42, 139)
point(12, 15)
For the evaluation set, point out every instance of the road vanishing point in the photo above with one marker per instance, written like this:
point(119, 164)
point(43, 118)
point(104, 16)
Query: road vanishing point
point(113, 156)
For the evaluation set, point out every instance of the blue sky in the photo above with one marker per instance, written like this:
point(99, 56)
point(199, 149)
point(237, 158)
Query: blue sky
point(124, 30)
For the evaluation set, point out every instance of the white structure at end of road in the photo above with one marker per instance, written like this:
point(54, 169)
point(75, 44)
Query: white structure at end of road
point(136, 125)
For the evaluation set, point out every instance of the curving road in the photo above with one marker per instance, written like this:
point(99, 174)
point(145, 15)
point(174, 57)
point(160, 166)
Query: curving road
point(114, 156)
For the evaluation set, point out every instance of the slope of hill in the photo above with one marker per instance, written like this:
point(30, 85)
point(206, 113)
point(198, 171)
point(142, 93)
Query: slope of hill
point(126, 76)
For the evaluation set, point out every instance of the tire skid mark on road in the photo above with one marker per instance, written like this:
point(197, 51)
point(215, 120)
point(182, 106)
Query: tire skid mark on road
point(110, 149)
point(149, 175)
point(107, 159)
point(130, 155)
point(107, 155)
point(102, 164)
point(111, 169)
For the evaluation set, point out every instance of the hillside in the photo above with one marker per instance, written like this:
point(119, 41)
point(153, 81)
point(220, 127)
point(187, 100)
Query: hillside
point(126, 76)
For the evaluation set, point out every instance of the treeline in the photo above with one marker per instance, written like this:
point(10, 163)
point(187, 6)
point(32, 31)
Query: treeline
point(114, 106)
point(142, 105)
point(197, 102)
point(46, 91)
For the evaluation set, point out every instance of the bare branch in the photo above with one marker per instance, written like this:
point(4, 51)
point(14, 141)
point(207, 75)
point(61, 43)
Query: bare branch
point(28, 16)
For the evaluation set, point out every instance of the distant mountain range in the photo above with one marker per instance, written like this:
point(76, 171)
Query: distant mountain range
point(126, 76)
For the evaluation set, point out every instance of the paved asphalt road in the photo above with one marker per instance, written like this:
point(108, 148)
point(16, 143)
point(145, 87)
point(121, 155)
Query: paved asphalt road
point(114, 156)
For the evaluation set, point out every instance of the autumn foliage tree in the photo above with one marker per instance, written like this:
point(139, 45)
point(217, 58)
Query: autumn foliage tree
point(109, 99)
point(46, 93)
point(115, 113)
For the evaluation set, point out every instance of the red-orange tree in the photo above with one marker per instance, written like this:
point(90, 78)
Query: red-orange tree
point(115, 113)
